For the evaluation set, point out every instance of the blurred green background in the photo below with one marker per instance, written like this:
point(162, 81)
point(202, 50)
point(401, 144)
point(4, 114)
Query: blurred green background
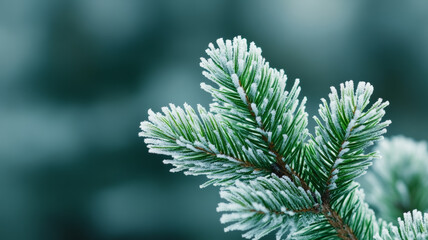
point(77, 77)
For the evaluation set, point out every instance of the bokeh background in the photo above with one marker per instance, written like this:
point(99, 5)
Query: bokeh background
point(77, 77)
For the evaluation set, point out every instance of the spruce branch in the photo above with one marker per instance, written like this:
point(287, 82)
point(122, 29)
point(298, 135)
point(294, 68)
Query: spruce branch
point(202, 144)
point(267, 204)
point(252, 96)
point(337, 154)
point(398, 182)
point(349, 218)
point(253, 143)
point(413, 227)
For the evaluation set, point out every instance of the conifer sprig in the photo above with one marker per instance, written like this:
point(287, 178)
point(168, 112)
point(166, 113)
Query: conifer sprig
point(337, 154)
point(398, 182)
point(201, 144)
point(267, 204)
point(252, 97)
point(413, 227)
point(253, 143)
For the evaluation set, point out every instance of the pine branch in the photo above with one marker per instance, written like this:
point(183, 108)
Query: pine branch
point(252, 96)
point(257, 128)
point(413, 227)
point(337, 151)
point(398, 182)
point(350, 218)
point(203, 145)
point(267, 204)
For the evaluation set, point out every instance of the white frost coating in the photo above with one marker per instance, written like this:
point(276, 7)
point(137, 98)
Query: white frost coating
point(165, 110)
point(350, 84)
point(337, 162)
point(236, 216)
point(383, 131)
point(206, 87)
point(230, 131)
point(261, 131)
point(333, 179)
point(295, 104)
point(204, 62)
point(220, 43)
point(343, 151)
point(228, 207)
point(386, 103)
point(201, 145)
point(253, 89)
point(180, 143)
point(254, 108)
point(208, 75)
point(242, 95)
point(259, 207)
point(273, 112)
point(357, 114)
point(332, 186)
point(235, 80)
point(264, 104)
point(318, 139)
point(368, 116)
point(241, 64)
point(348, 105)
point(151, 113)
point(273, 154)
point(259, 152)
point(333, 107)
point(349, 128)
point(213, 148)
point(258, 77)
point(229, 50)
point(249, 152)
point(360, 88)
point(211, 46)
point(333, 90)
point(239, 114)
point(345, 143)
point(230, 67)
point(161, 152)
point(221, 96)
point(360, 101)
point(269, 136)
point(154, 141)
point(228, 158)
point(285, 137)
point(223, 60)
point(241, 46)
point(244, 170)
point(259, 121)
point(359, 129)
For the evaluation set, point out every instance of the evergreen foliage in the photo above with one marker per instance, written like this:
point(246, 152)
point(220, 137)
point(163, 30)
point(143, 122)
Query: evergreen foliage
point(267, 204)
point(398, 182)
point(413, 227)
point(254, 143)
